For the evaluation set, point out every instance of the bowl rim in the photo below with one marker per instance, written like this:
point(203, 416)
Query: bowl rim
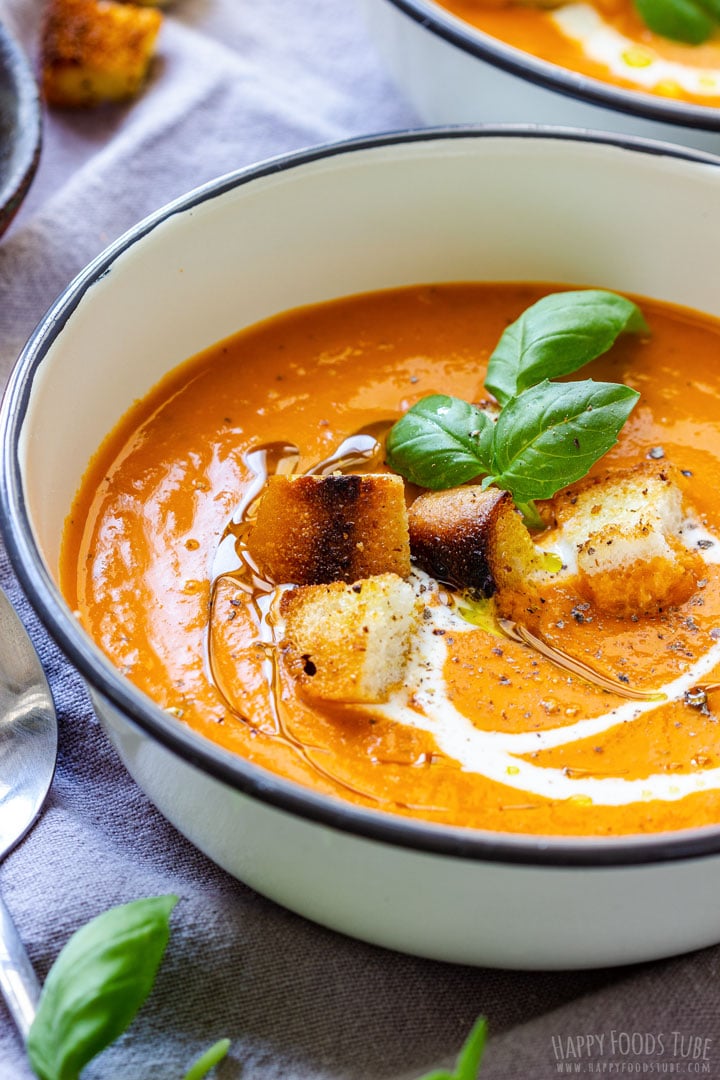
point(470, 39)
point(25, 151)
point(141, 713)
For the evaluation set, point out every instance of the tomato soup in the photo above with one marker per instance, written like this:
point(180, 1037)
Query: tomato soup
point(605, 39)
point(486, 731)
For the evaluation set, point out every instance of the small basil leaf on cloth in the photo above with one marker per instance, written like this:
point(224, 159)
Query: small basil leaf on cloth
point(556, 336)
point(551, 434)
point(471, 1055)
point(679, 20)
point(712, 7)
point(209, 1059)
point(97, 984)
point(441, 442)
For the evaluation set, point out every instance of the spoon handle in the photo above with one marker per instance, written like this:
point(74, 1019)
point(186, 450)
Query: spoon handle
point(18, 981)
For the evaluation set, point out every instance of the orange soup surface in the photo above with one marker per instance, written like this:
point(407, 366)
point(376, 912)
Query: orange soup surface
point(494, 734)
point(605, 39)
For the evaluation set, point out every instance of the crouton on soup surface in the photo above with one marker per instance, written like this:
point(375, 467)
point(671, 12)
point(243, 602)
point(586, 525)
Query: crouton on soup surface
point(350, 642)
point(312, 530)
point(627, 529)
point(472, 538)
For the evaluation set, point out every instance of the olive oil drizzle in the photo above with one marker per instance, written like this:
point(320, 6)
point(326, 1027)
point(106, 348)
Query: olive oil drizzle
point(482, 613)
point(233, 562)
point(517, 632)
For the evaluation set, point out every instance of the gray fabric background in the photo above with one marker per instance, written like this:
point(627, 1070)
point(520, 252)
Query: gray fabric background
point(236, 82)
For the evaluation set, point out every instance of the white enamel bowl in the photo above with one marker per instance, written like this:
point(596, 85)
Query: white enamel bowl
point(454, 73)
point(423, 207)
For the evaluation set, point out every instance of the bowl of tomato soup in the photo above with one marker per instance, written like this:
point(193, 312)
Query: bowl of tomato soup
point(517, 765)
point(589, 63)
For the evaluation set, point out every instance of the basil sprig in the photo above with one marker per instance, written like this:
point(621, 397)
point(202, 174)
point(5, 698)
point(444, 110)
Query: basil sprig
point(97, 984)
point(557, 335)
point(547, 435)
point(209, 1060)
point(468, 1063)
point(689, 21)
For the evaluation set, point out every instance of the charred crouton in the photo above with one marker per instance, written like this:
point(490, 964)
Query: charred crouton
point(312, 530)
point(472, 539)
point(626, 527)
point(96, 50)
point(350, 643)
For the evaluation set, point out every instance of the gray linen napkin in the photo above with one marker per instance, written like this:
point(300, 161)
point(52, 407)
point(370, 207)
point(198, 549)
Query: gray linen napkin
point(237, 82)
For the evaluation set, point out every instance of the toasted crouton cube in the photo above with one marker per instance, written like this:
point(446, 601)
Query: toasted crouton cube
point(96, 50)
point(626, 528)
point(350, 643)
point(311, 530)
point(473, 539)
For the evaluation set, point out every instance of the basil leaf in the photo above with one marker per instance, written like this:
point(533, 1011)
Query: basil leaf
point(712, 7)
point(97, 984)
point(679, 20)
point(468, 1064)
point(209, 1059)
point(441, 442)
point(471, 1055)
point(531, 515)
point(558, 335)
point(551, 434)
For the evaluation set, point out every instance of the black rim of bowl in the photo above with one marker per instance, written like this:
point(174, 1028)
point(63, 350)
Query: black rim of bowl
point(25, 151)
point(572, 84)
point(193, 748)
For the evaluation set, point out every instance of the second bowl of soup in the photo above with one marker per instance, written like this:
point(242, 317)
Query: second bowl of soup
point(591, 63)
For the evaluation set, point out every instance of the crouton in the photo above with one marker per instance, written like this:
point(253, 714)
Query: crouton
point(96, 50)
point(311, 530)
point(626, 528)
point(350, 643)
point(472, 539)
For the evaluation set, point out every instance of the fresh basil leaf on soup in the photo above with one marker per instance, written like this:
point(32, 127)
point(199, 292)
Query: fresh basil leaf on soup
point(441, 442)
point(679, 20)
point(557, 335)
point(550, 435)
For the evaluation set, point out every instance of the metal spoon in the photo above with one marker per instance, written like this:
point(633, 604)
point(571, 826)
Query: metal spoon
point(28, 750)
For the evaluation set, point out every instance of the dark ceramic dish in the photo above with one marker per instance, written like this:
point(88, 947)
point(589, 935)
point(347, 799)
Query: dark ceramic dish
point(20, 127)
